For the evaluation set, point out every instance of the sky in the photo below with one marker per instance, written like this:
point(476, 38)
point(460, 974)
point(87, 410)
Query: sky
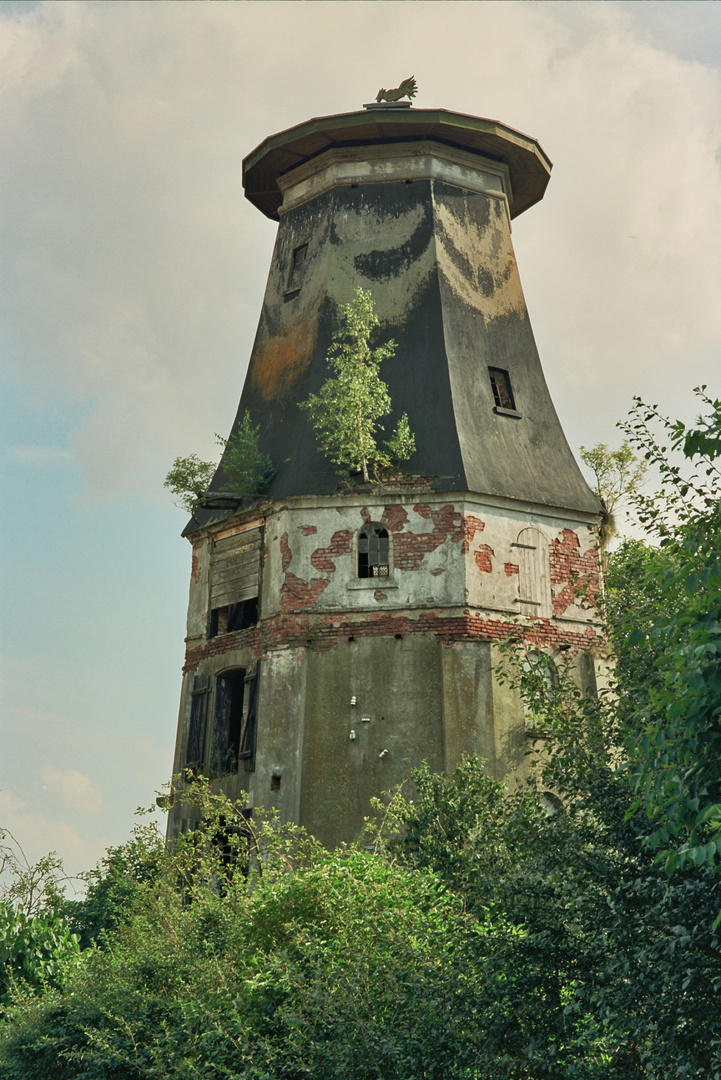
point(132, 275)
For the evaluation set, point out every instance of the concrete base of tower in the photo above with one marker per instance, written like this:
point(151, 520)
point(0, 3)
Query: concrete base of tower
point(339, 726)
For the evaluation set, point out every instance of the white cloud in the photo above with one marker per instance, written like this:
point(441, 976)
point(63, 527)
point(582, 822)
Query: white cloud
point(74, 789)
point(136, 269)
point(39, 833)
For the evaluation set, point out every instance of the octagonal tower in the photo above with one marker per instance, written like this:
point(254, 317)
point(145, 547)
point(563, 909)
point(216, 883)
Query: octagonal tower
point(338, 635)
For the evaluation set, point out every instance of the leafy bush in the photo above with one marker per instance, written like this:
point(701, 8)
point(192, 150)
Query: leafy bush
point(34, 951)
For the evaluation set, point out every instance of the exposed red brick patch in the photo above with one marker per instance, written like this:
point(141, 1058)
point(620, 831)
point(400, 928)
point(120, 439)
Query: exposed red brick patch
point(410, 548)
point(437, 572)
point(293, 628)
point(287, 554)
point(574, 576)
point(365, 514)
point(471, 525)
point(510, 568)
point(296, 593)
point(484, 559)
point(394, 518)
point(340, 544)
point(195, 564)
point(308, 530)
point(266, 554)
point(378, 595)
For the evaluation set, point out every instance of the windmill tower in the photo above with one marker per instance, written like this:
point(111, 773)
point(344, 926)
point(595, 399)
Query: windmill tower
point(337, 636)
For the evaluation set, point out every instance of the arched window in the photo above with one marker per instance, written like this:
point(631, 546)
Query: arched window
point(534, 573)
point(373, 551)
point(540, 688)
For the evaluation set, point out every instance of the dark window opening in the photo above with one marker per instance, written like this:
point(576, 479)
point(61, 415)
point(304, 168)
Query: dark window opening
point(296, 273)
point(228, 725)
point(502, 393)
point(198, 717)
point(373, 552)
point(233, 843)
point(275, 782)
point(232, 617)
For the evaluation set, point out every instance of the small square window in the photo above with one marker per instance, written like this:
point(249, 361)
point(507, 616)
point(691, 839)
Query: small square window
point(240, 616)
point(502, 393)
point(296, 273)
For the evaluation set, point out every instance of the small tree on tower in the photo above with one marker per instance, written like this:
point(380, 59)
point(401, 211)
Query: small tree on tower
point(346, 413)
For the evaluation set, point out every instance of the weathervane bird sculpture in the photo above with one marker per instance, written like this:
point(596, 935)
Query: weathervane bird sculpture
point(407, 89)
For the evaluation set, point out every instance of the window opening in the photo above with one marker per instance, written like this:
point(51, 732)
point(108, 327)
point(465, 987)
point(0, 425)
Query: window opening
point(373, 552)
point(240, 616)
point(235, 573)
point(275, 782)
point(198, 717)
point(233, 843)
point(502, 393)
point(229, 693)
point(540, 687)
point(298, 268)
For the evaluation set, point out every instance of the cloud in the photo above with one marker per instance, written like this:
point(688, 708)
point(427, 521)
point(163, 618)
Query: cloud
point(38, 834)
point(74, 789)
point(135, 268)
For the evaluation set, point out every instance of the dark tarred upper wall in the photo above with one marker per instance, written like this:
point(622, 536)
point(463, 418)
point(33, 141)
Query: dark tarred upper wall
point(439, 261)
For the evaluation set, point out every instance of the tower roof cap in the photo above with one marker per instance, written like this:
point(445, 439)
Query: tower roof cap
point(528, 165)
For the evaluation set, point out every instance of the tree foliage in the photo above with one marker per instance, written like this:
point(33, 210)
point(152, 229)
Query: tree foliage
point(479, 930)
point(248, 470)
point(34, 950)
point(673, 725)
point(346, 413)
point(188, 478)
point(617, 474)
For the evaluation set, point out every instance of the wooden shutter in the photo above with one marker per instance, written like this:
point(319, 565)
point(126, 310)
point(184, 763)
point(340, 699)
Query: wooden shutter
point(533, 573)
point(250, 726)
point(198, 717)
point(235, 569)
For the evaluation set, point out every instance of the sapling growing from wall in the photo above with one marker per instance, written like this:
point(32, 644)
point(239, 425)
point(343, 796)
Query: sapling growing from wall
point(617, 474)
point(248, 470)
point(346, 413)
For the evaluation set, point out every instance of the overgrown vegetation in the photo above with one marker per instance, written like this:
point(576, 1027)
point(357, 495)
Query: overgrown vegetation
point(561, 929)
point(247, 469)
point(617, 475)
point(347, 411)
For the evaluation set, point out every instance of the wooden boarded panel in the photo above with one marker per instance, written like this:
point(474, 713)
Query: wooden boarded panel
point(235, 569)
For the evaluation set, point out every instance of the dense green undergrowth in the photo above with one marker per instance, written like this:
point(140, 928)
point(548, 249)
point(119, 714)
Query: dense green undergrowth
point(559, 929)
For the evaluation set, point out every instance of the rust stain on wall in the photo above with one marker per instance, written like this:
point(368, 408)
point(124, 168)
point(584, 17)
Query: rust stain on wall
point(280, 360)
